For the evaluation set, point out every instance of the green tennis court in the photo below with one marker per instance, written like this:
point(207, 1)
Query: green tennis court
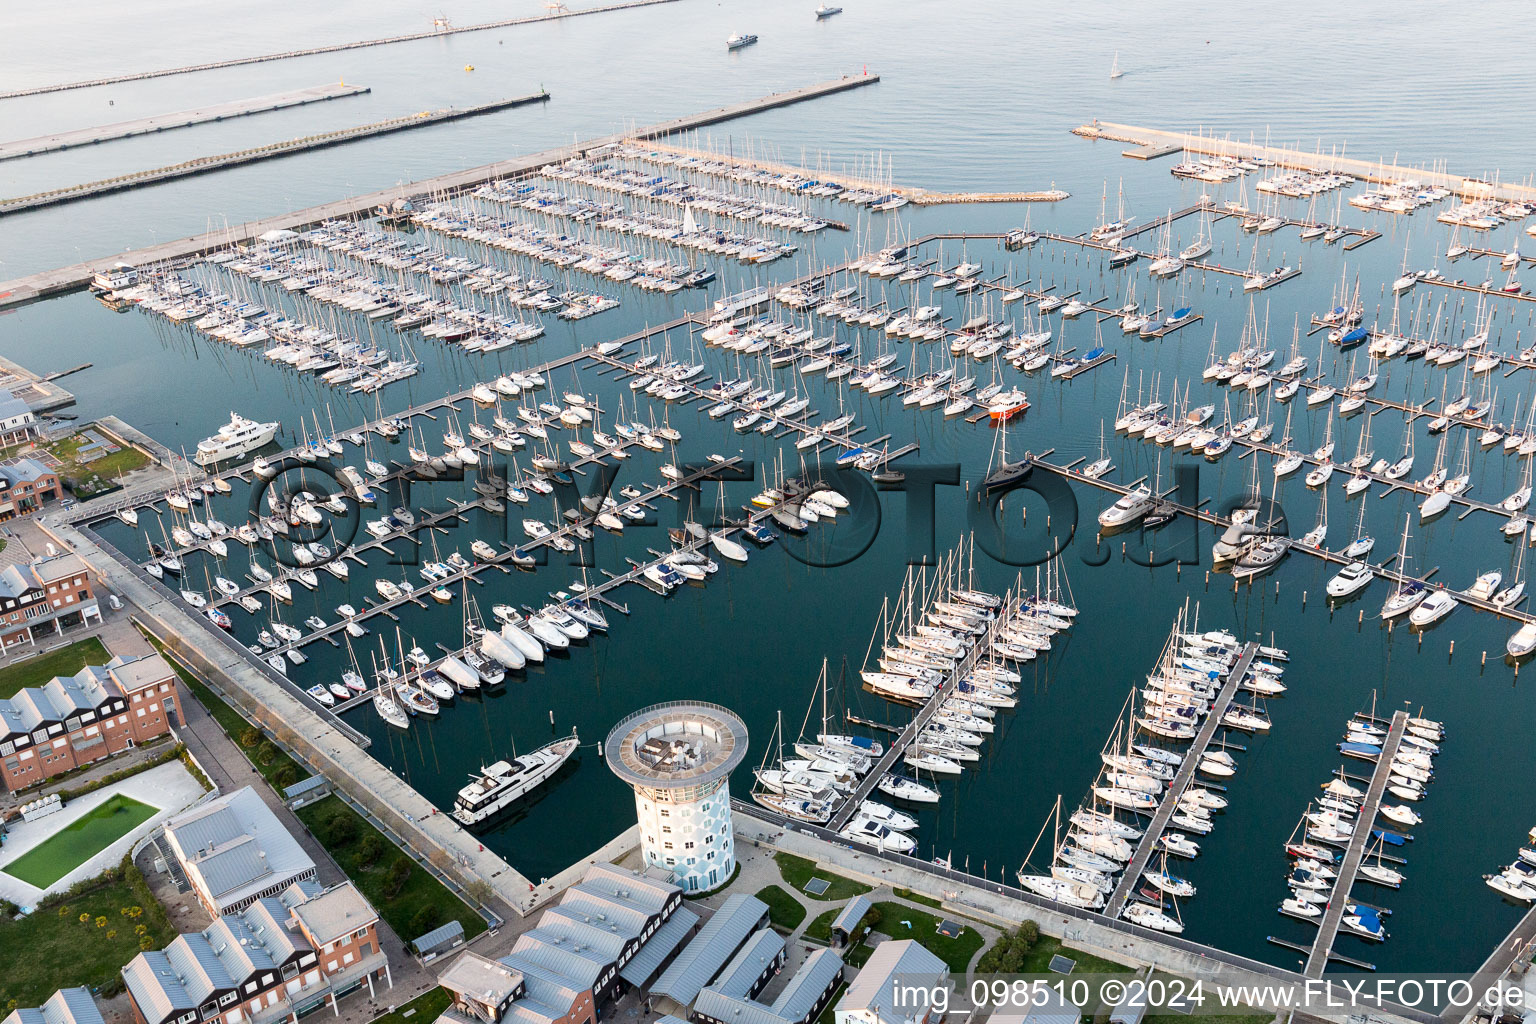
point(79, 841)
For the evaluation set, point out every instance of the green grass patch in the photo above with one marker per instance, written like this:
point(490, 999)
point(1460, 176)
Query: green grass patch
point(65, 661)
point(820, 927)
point(797, 871)
point(859, 955)
point(79, 841)
point(917, 897)
point(415, 902)
point(53, 948)
point(955, 952)
point(784, 911)
point(424, 1009)
point(1039, 958)
point(87, 479)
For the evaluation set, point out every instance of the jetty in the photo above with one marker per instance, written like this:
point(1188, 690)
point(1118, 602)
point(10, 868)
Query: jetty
point(78, 275)
point(1158, 141)
point(440, 29)
point(903, 740)
point(1328, 928)
point(179, 119)
point(1181, 781)
point(287, 147)
point(917, 196)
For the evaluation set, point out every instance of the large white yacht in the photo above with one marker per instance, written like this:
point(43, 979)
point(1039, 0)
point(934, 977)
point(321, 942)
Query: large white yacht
point(507, 781)
point(234, 439)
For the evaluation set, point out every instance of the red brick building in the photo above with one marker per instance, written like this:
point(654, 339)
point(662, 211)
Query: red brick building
point(24, 485)
point(74, 720)
point(278, 959)
point(41, 598)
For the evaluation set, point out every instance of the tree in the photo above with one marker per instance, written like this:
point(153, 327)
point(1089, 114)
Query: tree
point(250, 736)
point(266, 753)
point(285, 776)
point(425, 919)
point(341, 827)
point(480, 891)
point(439, 859)
point(370, 849)
point(399, 874)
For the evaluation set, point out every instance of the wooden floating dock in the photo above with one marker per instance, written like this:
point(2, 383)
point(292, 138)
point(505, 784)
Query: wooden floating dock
point(1333, 916)
point(65, 279)
point(205, 164)
point(179, 119)
point(1181, 782)
point(437, 32)
point(1374, 171)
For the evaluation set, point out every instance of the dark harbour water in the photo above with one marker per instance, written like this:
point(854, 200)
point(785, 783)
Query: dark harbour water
point(973, 97)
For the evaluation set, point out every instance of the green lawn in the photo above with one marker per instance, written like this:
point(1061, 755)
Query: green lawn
point(65, 661)
point(79, 841)
point(797, 871)
point(955, 952)
point(424, 1009)
point(917, 897)
point(1039, 959)
point(784, 911)
point(53, 949)
point(421, 890)
point(821, 925)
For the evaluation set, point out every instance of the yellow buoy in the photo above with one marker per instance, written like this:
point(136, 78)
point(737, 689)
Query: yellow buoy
point(469, 67)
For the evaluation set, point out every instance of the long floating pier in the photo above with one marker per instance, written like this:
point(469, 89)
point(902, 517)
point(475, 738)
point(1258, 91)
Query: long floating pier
point(78, 275)
point(1374, 171)
point(1180, 783)
point(204, 164)
point(1328, 929)
point(179, 119)
point(436, 32)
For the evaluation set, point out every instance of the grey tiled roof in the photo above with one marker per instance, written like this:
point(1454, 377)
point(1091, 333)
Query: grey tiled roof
point(814, 977)
point(709, 950)
point(662, 943)
point(66, 1006)
point(849, 917)
point(444, 935)
point(749, 963)
point(236, 847)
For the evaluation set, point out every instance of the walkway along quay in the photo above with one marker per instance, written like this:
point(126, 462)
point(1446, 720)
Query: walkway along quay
point(78, 275)
point(1004, 905)
point(1170, 802)
point(203, 165)
point(1374, 171)
point(179, 119)
point(1333, 916)
point(441, 29)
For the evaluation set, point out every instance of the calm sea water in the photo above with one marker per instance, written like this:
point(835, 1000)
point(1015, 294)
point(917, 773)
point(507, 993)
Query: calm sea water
point(972, 97)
